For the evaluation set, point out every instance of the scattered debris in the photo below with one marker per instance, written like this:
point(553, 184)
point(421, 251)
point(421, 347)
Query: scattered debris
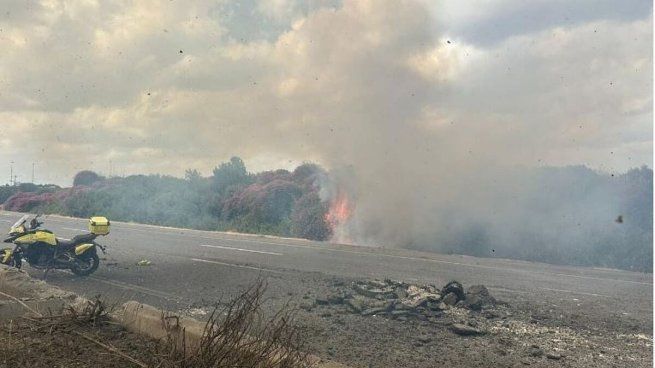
point(450, 299)
point(424, 339)
point(554, 356)
point(196, 312)
point(535, 351)
point(465, 330)
point(477, 297)
point(455, 288)
point(400, 300)
point(144, 262)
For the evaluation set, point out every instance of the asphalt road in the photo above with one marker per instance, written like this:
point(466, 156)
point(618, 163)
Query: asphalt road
point(191, 267)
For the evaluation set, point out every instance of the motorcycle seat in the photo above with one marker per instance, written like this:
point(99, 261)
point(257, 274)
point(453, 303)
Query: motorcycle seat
point(77, 239)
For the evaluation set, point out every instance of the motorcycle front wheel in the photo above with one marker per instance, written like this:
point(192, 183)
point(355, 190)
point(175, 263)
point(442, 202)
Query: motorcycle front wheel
point(86, 265)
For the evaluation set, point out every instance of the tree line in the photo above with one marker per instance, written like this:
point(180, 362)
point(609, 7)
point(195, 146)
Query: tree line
point(569, 215)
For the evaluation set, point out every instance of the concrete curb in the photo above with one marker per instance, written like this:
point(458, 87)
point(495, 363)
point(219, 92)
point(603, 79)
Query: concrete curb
point(158, 324)
point(35, 294)
point(134, 316)
point(155, 323)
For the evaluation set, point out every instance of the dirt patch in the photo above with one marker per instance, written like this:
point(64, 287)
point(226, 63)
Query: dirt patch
point(67, 341)
point(235, 335)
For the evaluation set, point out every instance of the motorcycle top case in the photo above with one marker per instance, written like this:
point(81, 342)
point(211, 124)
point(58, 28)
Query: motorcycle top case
point(99, 225)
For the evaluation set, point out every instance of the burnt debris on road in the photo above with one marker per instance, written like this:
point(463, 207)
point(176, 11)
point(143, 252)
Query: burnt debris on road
point(401, 300)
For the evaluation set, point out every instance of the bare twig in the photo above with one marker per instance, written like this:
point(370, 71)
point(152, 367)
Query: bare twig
point(21, 303)
point(111, 349)
point(238, 335)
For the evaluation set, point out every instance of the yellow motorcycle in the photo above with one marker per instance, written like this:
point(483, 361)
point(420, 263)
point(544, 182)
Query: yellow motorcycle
point(43, 250)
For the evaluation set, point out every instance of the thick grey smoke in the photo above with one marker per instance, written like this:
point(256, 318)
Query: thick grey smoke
point(421, 167)
point(423, 117)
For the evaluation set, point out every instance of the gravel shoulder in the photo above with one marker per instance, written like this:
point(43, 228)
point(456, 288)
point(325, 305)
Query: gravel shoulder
point(516, 333)
point(578, 331)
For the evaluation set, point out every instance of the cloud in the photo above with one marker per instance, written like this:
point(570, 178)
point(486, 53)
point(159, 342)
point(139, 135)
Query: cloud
point(368, 84)
point(486, 24)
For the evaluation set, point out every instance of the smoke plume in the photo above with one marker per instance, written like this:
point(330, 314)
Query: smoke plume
point(436, 120)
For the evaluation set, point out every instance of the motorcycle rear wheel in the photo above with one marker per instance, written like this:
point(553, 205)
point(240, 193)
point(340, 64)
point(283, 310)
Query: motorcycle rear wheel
point(14, 260)
point(84, 266)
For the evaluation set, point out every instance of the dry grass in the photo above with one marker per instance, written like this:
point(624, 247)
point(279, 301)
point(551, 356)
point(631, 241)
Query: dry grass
point(236, 335)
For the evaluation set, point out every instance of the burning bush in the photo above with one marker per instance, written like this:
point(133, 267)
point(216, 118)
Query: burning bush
point(308, 218)
point(261, 205)
point(308, 175)
point(338, 215)
point(282, 202)
point(555, 215)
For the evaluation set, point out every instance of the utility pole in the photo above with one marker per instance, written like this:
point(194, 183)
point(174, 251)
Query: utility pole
point(32, 172)
point(11, 172)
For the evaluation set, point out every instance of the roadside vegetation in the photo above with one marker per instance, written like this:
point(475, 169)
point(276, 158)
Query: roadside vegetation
point(237, 334)
point(568, 215)
point(232, 199)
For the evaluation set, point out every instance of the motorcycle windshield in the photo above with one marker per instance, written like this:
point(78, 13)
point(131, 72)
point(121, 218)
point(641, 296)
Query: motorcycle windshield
point(20, 221)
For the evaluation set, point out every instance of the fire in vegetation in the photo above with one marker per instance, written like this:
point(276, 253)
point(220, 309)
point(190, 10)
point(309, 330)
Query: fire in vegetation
point(338, 215)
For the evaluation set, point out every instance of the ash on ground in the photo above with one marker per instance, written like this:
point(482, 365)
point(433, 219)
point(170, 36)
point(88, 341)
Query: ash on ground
point(403, 301)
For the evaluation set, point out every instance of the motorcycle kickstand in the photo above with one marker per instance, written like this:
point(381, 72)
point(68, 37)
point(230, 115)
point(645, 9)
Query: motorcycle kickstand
point(50, 264)
point(45, 274)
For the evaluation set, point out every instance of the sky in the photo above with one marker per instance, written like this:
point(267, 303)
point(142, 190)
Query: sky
point(126, 87)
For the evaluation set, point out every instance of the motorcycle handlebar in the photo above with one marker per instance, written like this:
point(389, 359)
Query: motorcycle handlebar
point(35, 224)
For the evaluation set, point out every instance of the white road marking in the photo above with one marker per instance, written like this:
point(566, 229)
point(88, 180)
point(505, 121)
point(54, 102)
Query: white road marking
point(460, 264)
point(575, 292)
point(74, 229)
point(452, 263)
point(9, 221)
point(548, 289)
point(235, 265)
point(240, 249)
point(181, 232)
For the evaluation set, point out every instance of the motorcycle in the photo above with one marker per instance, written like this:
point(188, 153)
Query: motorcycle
point(43, 250)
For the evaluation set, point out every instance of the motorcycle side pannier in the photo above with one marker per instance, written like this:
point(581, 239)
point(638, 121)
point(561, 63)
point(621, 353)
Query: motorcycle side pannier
point(99, 225)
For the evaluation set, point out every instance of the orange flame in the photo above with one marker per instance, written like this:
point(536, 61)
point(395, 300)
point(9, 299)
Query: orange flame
point(338, 215)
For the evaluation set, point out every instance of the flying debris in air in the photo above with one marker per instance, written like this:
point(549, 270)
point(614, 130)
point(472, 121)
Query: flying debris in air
point(619, 220)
